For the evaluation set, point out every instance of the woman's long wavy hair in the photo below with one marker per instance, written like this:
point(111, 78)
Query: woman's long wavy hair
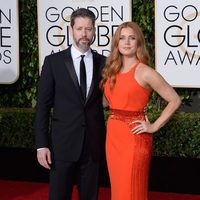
point(114, 60)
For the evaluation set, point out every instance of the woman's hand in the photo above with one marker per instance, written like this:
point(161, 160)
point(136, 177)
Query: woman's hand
point(142, 127)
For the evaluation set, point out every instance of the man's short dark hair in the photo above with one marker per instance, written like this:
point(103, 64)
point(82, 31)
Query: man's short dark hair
point(82, 12)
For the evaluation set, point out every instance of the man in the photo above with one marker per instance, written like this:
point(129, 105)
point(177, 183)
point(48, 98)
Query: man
point(76, 139)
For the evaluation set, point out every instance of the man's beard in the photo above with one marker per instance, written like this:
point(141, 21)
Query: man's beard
point(83, 45)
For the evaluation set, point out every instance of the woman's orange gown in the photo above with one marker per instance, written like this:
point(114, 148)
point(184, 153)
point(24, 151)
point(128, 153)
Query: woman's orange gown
point(128, 155)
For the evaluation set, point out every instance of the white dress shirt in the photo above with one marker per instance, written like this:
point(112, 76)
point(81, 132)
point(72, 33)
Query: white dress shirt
point(88, 59)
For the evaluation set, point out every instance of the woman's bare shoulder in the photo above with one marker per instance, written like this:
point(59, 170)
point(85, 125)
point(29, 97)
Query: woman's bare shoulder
point(145, 70)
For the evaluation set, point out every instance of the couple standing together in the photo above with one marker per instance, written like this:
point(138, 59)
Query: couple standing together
point(74, 86)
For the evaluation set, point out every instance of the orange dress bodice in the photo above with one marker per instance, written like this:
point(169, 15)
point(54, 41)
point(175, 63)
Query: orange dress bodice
point(127, 94)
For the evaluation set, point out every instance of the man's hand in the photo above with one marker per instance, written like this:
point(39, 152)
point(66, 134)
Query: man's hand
point(44, 157)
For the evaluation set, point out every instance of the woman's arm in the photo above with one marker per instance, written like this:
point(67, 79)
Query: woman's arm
point(151, 79)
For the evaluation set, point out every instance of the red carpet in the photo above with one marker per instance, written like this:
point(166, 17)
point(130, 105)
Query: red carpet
point(13, 190)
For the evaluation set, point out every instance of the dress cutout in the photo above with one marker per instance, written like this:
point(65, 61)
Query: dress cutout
point(128, 155)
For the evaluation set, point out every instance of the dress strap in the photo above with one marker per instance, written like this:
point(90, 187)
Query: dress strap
point(135, 66)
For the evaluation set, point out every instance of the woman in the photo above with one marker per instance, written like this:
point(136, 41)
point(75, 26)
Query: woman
point(127, 83)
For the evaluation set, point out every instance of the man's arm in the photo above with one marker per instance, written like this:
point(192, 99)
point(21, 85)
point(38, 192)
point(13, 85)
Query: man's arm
point(43, 108)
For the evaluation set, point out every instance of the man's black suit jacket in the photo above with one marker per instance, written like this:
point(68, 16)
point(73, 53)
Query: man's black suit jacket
point(60, 93)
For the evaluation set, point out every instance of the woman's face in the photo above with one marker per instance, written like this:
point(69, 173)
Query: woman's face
point(127, 42)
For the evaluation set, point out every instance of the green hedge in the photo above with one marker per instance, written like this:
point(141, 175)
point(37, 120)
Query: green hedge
point(16, 128)
point(179, 138)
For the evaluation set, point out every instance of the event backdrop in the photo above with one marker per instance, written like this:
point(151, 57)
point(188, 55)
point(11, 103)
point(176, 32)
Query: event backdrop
point(177, 32)
point(9, 41)
point(54, 20)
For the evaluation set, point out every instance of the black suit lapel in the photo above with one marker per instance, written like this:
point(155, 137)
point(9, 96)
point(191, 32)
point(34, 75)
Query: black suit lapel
point(94, 77)
point(70, 67)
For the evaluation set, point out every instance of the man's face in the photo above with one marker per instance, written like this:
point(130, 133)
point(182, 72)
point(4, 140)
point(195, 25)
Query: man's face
point(82, 33)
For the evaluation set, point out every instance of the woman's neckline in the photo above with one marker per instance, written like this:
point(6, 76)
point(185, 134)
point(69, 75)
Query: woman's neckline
point(134, 65)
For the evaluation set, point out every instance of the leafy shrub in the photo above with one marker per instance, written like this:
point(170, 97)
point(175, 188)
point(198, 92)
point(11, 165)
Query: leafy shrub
point(16, 128)
point(179, 138)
